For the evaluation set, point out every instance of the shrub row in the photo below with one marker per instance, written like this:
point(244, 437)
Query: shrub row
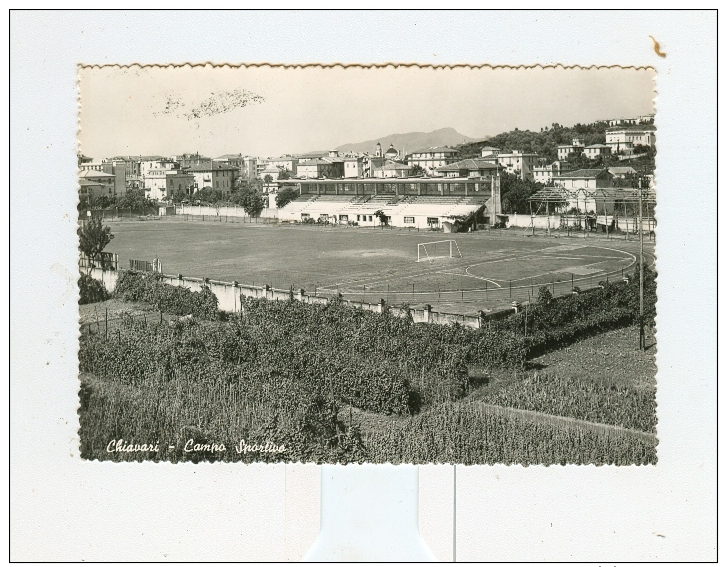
point(148, 287)
point(553, 323)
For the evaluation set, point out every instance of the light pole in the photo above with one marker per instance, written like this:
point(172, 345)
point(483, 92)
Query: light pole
point(642, 337)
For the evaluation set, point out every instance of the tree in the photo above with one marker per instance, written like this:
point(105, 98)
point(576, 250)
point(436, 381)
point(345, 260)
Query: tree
point(208, 195)
point(249, 198)
point(268, 178)
point(417, 171)
point(285, 196)
point(284, 174)
point(101, 202)
point(135, 199)
point(515, 193)
point(93, 237)
point(383, 219)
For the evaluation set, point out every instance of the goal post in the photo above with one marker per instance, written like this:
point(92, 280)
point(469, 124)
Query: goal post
point(429, 251)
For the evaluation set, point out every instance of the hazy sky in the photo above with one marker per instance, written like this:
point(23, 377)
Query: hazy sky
point(266, 111)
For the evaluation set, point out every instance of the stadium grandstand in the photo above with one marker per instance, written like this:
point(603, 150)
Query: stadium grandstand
point(411, 202)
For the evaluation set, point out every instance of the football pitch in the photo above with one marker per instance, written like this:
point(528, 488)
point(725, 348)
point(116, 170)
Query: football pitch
point(365, 264)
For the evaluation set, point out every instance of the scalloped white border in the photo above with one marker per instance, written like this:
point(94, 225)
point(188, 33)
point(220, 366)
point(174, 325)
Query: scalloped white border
point(63, 509)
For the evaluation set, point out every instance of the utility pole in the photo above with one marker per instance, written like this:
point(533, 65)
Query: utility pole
point(642, 337)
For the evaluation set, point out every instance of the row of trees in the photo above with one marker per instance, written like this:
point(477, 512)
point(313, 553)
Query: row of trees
point(247, 194)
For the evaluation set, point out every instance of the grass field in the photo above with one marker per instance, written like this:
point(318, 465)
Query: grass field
point(370, 264)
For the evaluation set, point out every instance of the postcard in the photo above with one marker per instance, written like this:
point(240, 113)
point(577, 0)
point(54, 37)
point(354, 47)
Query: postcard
point(288, 264)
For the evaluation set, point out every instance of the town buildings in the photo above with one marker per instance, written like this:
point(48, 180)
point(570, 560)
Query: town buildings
point(154, 175)
point(94, 184)
point(622, 172)
point(475, 167)
point(246, 164)
point(543, 173)
point(218, 176)
point(353, 167)
point(518, 163)
point(488, 152)
point(623, 140)
point(432, 158)
point(317, 168)
point(392, 169)
point(596, 150)
point(565, 150)
point(189, 160)
point(584, 179)
point(179, 184)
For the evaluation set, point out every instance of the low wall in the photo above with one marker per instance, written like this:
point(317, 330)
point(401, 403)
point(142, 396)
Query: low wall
point(232, 211)
point(229, 296)
point(624, 224)
point(538, 221)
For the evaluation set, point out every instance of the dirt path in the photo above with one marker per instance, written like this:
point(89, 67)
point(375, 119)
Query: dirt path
point(537, 417)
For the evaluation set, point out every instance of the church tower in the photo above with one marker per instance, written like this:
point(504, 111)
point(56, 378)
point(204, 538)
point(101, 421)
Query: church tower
point(378, 150)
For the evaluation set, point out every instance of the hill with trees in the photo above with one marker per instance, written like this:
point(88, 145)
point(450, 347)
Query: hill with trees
point(544, 143)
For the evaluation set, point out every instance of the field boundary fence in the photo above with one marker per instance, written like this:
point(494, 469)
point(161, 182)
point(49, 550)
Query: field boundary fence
point(418, 304)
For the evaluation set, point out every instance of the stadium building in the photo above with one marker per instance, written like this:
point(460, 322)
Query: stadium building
point(410, 202)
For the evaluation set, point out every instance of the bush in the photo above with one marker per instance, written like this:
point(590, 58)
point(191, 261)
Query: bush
point(148, 287)
point(91, 290)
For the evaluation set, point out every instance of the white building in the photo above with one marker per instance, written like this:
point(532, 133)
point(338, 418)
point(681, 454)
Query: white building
point(596, 150)
point(544, 173)
point(517, 163)
point(432, 158)
point(154, 176)
point(623, 140)
point(575, 147)
point(218, 176)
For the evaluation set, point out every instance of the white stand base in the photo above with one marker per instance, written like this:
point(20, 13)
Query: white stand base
point(369, 513)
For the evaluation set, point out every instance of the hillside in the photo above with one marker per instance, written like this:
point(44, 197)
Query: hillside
point(411, 141)
point(544, 143)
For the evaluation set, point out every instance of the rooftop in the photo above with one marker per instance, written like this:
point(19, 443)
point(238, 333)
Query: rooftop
point(472, 163)
point(394, 166)
point(640, 128)
point(621, 170)
point(583, 173)
point(435, 149)
point(598, 146)
point(91, 173)
point(210, 167)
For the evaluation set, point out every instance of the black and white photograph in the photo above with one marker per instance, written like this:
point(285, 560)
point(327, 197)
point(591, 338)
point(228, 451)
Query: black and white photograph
point(368, 264)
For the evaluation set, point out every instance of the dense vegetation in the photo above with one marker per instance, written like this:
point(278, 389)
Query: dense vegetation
point(468, 434)
point(544, 143)
point(148, 287)
point(601, 400)
point(91, 290)
point(283, 371)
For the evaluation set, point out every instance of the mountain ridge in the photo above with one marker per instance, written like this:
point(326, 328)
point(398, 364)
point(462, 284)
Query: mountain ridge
point(411, 141)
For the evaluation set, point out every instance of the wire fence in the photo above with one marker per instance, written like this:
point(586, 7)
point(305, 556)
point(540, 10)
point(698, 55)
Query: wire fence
point(491, 296)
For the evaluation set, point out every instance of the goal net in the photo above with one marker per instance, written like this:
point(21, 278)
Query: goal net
point(429, 251)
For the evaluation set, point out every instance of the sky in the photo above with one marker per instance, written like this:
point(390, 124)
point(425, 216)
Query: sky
point(268, 111)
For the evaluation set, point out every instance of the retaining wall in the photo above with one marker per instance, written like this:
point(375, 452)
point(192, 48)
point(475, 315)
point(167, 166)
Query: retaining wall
point(229, 294)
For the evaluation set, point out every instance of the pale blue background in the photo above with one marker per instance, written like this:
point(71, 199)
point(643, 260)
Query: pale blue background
point(64, 509)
